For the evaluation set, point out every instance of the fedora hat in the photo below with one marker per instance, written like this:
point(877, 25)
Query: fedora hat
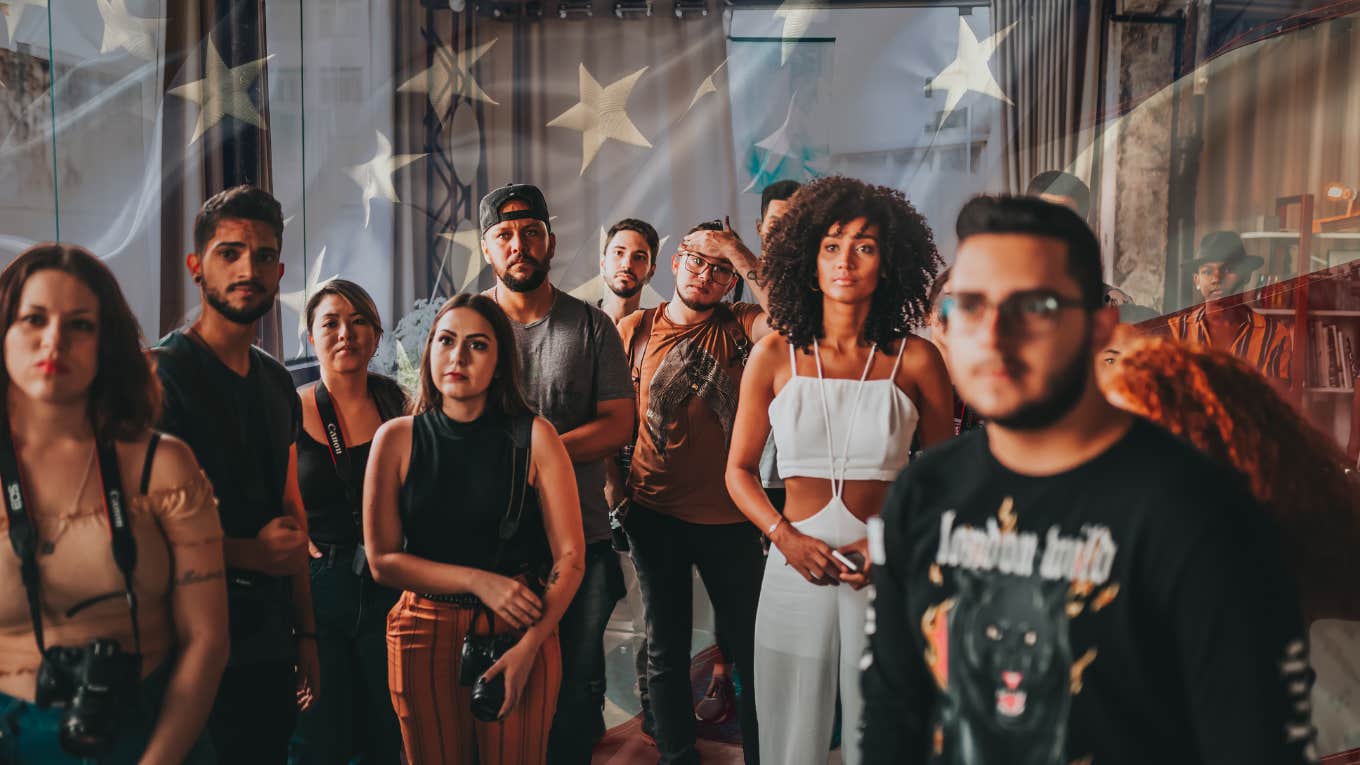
point(1225, 247)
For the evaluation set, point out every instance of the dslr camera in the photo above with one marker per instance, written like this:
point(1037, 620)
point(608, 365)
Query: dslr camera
point(93, 683)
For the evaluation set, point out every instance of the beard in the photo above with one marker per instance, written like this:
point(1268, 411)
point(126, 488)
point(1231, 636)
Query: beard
point(529, 283)
point(247, 315)
point(1063, 393)
point(695, 305)
point(624, 292)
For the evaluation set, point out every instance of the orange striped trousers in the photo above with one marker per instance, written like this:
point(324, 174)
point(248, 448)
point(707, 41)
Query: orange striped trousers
point(424, 653)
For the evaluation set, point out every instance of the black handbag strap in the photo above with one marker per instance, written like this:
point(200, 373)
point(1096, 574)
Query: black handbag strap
point(23, 534)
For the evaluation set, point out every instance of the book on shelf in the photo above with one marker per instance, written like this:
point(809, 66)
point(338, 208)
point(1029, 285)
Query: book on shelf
point(1352, 371)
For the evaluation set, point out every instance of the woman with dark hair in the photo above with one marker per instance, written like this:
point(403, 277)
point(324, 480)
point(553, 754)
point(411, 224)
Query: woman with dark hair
point(1232, 413)
point(483, 494)
point(114, 603)
point(844, 387)
point(340, 414)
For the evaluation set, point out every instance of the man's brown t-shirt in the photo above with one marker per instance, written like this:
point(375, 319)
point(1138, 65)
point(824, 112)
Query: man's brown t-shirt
point(687, 403)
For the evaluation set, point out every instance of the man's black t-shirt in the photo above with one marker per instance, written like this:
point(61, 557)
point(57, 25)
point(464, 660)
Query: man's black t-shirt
point(241, 430)
point(1131, 610)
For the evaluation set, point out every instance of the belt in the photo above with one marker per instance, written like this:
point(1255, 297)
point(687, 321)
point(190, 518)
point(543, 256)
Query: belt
point(460, 599)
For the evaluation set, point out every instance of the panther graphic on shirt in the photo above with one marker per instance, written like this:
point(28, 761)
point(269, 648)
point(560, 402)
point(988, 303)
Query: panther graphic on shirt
point(999, 647)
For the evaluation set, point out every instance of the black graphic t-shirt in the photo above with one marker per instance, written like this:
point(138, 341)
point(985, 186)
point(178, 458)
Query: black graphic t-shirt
point(1131, 610)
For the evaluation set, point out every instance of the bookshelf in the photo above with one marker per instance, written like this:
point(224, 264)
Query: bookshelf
point(1323, 300)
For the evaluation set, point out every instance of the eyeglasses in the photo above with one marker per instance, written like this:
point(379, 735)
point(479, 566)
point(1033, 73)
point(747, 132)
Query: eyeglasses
point(1033, 312)
point(696, 265)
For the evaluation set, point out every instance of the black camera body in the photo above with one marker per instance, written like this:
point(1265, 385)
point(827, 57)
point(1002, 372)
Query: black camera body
point(478, 654)
point(93, 683)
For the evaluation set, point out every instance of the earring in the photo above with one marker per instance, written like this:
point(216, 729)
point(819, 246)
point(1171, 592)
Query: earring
point(815, 288)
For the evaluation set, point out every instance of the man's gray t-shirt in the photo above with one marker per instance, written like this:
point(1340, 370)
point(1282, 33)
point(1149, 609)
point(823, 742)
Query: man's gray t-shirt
point(571, 360)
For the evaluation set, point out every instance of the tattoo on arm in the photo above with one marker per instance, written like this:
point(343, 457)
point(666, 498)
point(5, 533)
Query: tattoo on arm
point(193, 577)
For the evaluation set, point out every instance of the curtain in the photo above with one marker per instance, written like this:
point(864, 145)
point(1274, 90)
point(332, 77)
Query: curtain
point(1050, 70)
point(1281, 117)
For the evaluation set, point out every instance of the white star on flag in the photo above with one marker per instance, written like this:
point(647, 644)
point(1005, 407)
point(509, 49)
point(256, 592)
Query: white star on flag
point(450, 75)
point(134, 34)
point(602, 114)
point(776, 144)
point(375, 175)
point(969, 69)
point(464, 235)
point(222, 91)
point(797, 18)
point(297, 299)
point(706, 87)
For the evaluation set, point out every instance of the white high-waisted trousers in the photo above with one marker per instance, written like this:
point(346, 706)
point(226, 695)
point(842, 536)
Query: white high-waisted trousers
point(809, 641)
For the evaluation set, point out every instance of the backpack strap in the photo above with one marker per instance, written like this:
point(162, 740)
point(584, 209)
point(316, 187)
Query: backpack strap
point(637, 349)
point(735, 331)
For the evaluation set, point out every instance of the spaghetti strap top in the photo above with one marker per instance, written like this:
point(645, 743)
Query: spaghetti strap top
point(879, 420)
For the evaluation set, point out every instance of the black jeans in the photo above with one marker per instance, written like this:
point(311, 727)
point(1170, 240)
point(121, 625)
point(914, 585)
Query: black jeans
point(353, 714)
point(579, 720)
point(253, 717)
point(731, 564)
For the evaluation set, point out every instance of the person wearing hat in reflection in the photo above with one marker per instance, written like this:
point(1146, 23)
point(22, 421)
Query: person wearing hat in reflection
point(1224, 321)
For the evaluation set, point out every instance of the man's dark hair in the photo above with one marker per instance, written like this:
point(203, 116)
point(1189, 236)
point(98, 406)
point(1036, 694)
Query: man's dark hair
point(241, 202)
point(1035, 217)
point(640, 226)
point(908, 260)
point(708, 225)
point(1061, 184)
point(777, 192)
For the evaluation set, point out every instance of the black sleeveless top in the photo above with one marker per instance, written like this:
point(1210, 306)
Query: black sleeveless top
point(457, 490)
point(330, 513)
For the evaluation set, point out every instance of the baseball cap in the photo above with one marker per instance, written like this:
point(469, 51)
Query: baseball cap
point(489, 210)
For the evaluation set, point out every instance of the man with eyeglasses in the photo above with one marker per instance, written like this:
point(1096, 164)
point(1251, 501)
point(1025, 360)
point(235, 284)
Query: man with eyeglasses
point(1070, 583)
point(686, 358)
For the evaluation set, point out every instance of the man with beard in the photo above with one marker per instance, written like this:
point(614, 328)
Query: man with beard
point(687, 357)
point(626, 265)
point(236, 407)
point(574, 374)
point(1070, 583)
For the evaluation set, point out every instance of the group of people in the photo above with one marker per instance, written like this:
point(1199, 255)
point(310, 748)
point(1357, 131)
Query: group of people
point(1091, 561)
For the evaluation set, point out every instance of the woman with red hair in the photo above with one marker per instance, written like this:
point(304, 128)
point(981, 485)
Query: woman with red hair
point(1230, 411)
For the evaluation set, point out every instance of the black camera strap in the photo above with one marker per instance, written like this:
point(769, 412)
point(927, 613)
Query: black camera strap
point(335, 444)
point(23, 534)
point(339, 451)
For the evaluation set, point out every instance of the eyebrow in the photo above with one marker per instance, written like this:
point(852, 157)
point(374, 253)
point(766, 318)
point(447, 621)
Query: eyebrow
point(41, 307)
point(482, 335)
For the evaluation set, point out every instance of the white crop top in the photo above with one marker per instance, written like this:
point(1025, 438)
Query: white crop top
point(869, 445)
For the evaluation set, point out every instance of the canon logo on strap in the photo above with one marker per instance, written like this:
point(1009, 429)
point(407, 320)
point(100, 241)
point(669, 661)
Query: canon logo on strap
point(333, 433)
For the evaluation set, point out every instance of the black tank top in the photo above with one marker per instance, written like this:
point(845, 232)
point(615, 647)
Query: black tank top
point(457, 490)
point(330, 512)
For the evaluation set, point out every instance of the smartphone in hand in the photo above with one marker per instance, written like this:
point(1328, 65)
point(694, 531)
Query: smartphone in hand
point(851, 560)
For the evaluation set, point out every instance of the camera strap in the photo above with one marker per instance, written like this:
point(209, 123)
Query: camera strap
point(339, 451)
point(335, 445)
point(23, 534)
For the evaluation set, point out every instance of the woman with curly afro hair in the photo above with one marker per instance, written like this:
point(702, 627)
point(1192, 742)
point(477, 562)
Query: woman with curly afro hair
point(1232, 413)
point(844, 387)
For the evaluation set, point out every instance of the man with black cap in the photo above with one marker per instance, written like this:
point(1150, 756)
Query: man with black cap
point(1224, 321)
point(574, 373)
